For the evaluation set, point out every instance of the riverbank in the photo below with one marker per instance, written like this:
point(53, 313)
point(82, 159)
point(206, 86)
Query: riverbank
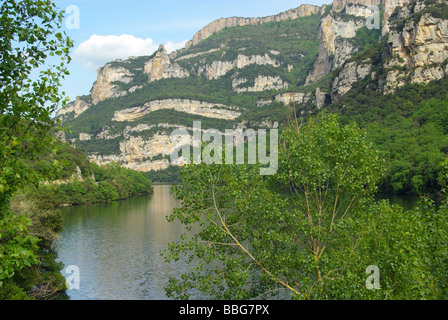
point(108, 183)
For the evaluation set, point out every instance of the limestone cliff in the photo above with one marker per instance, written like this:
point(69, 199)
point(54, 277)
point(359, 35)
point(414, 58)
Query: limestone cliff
point(335, 32)
point(217, 69)
point(161, 67)
point(223, 23)
point(105, 86)
point(351, 73)
point(261, 83)
point(137, 153)
point(75, 108)
point(208, 110)
point(350, 6)
point(389, 7)
point(231, 82)
point(418, 53)
point(416, 45)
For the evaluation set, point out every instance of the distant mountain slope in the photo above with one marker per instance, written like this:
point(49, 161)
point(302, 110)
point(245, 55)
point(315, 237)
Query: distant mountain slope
point(242, 72)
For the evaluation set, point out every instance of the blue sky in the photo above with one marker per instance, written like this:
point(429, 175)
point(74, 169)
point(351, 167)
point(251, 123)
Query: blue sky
point(113, 29)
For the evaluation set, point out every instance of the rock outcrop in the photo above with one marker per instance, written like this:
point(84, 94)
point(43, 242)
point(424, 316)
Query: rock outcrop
point(418, 53)
point(349, 5)
point(289, 98)
point(76, 108)
point(261, 83)
point(223, 23)
point(204, 109)
point(160, 67)
point(105, 86)
point(352, 72)
point(389, 7)
point(217, 69)
point(335, 47)
point(137, 153)
point(144, 154)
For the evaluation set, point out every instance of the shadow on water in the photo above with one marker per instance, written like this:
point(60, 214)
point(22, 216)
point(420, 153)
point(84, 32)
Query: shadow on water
point(407, 202)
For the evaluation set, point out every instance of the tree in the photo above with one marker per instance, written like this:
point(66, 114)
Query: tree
point(29, 83)
point(308, 232)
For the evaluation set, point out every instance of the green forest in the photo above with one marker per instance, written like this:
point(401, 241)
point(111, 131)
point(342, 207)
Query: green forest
point(95, 184)
point(409, 127)
point(309, 231)
point(76, 181)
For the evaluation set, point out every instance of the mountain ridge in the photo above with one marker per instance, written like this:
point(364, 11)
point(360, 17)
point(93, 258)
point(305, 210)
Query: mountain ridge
point(222, 23)
point(254, 67)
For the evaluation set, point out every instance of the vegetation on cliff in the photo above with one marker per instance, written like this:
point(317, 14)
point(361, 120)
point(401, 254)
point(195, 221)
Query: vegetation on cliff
point(83, 182)
point(415, 149)
point(409, 127)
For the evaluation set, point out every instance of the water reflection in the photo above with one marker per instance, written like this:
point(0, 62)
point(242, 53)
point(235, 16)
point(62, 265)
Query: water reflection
point(117, 247)
point(407, 202)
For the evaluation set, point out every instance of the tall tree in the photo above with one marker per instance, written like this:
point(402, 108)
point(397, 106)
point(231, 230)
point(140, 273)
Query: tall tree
point(311, 231)
point(34, 54)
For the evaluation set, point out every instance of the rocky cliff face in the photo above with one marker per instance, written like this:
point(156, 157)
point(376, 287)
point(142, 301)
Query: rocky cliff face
point(335, 33)
point(137, 153)
point(217, 69)
point(389, 7)
point(418, 50)
point(75, 108)
point(223, 23)
point(208, 110)
point(416, 45)
point(238, 91)
point(351, 73)
point(105, 87)
point(160, 67)
point(261, 83)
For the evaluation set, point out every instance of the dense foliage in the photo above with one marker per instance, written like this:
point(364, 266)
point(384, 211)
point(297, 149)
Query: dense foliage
point(309, 232)
point(112, 182)
point(41, 281)
point(169, 175)
point(409, 127)
point(30, 35)
point(83, 182)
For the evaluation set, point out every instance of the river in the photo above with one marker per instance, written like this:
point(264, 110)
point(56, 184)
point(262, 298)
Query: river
point(115, 247)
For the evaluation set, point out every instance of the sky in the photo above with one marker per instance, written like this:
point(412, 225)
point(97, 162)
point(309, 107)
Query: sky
point(106, 30)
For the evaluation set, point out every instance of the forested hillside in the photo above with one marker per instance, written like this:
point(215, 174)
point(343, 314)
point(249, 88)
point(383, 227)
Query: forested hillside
point(76, 182)
point(360, 98)
point(247, 73)
point(81, 182)
point(410, 128)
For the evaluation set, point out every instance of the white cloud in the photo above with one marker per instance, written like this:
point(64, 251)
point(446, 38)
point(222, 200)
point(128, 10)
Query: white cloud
point(170, 47)
point(98, 50)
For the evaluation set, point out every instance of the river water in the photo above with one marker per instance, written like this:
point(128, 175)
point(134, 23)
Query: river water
point(115, 247)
